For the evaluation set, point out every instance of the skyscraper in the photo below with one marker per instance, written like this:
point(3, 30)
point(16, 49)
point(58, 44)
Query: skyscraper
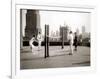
point(83, 29)
point(77, 31)
point(65, 30)
point(29, 25)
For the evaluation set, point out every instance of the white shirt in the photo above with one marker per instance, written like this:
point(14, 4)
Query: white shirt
point(71, 38)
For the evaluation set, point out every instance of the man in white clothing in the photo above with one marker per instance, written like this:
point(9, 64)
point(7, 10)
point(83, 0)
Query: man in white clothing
point(71, 42)
point(39, 38)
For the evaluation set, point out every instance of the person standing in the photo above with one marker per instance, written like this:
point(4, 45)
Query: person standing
point(75, 41)
point(39, 38)
point(71, 42)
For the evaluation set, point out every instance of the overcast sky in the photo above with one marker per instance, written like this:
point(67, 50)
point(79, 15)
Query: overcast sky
point(72, 19)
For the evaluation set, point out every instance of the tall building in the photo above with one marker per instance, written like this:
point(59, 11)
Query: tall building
point(77, 31)
point(84, 33)
point(30, 22)
point(65, 31)
point(83, 29)
point(57, 33)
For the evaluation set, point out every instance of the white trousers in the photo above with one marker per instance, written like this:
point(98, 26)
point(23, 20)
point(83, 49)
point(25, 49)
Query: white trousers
point(71, 48)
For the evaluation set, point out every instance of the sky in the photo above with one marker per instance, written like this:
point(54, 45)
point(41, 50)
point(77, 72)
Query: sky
point(74, 20)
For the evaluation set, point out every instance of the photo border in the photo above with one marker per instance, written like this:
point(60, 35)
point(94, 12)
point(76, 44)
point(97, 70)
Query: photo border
point(17, 73)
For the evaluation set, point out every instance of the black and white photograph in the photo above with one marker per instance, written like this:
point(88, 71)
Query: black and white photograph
point(50, 39)
point(54, 39)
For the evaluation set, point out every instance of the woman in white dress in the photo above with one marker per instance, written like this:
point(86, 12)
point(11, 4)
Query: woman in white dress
point(31, 43)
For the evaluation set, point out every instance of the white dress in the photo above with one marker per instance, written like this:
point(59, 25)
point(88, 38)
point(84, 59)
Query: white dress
point(31, 43)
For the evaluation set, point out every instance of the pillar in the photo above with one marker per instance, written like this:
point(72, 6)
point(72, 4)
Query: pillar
point(46, 41)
